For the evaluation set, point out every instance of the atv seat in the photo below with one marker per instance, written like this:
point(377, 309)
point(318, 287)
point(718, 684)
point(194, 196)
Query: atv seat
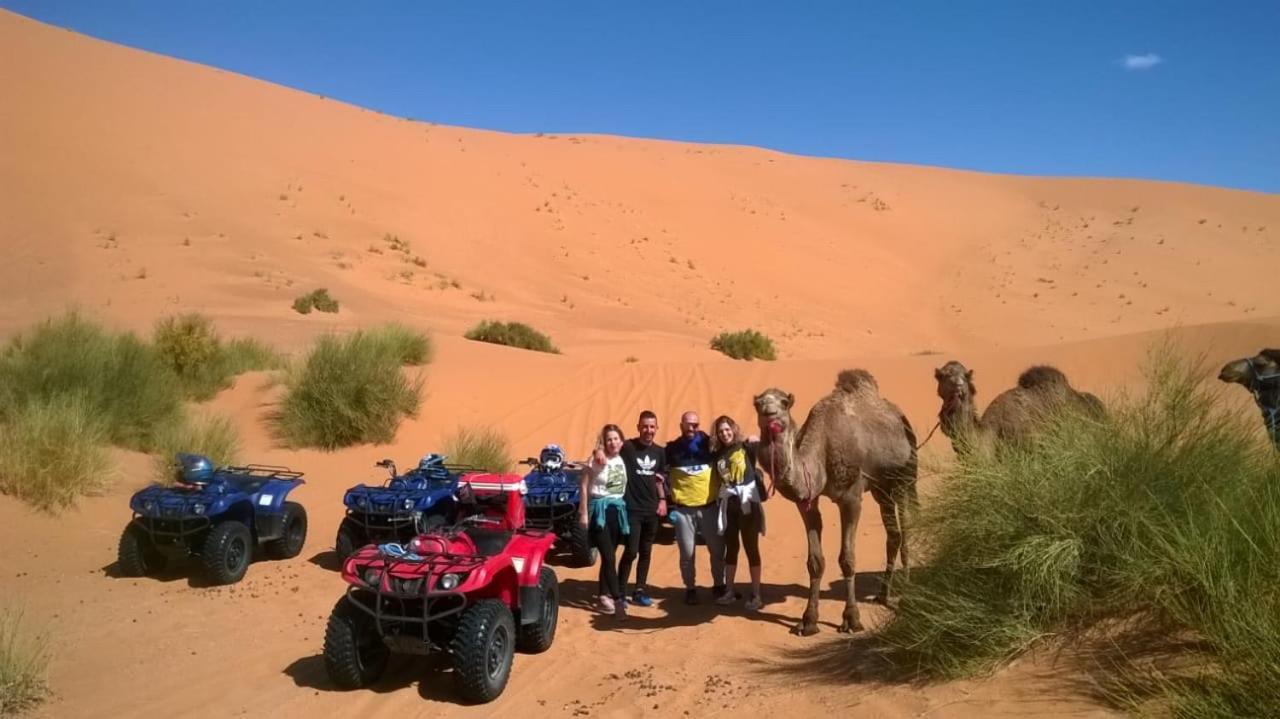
point(489, 542)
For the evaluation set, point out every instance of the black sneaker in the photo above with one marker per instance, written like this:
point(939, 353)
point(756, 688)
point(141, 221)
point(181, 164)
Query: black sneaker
point(690, 596)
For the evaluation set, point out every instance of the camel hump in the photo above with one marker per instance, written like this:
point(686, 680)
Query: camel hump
point(854, 380)
point(1042, 377)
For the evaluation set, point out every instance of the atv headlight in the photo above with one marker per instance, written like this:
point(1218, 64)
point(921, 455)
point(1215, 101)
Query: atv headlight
point(562, 498)
point(361, 502)
point(408, 504)
point(449, 581)
point(149, 505)
point(372, 577)
point(198, 508)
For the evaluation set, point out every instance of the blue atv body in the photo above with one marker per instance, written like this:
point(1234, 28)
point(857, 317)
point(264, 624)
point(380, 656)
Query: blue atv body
point(552, 500)
point(218, 515)
point(401, 508)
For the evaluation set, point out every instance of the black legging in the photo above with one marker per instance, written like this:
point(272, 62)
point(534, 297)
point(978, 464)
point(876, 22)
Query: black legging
point(607, 539)
point(748, 525)
point(639, 544)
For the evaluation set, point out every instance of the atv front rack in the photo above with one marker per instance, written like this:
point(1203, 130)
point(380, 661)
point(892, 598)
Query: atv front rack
point(394, 596)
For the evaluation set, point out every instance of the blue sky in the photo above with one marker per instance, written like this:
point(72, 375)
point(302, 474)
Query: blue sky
point(1021, 86)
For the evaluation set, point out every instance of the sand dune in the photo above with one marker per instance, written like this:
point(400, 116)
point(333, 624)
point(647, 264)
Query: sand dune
point(133, 186)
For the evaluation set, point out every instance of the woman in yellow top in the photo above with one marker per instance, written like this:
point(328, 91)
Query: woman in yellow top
point(742, 492)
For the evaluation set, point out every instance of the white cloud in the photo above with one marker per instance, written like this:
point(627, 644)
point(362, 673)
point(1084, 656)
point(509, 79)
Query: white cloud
point(1141, 62)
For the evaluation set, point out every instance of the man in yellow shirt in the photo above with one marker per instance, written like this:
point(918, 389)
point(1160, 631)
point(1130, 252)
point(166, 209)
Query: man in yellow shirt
point(693, 504)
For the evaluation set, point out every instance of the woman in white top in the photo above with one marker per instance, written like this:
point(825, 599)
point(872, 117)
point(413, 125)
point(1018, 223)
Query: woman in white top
point(604, 512)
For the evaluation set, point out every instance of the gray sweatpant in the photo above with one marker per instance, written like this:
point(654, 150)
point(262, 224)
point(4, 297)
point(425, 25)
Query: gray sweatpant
point(685, 520)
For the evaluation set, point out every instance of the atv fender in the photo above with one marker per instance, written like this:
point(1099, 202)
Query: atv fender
point(268, 508)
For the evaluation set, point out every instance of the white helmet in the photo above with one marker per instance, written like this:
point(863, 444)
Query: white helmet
point(551, 457)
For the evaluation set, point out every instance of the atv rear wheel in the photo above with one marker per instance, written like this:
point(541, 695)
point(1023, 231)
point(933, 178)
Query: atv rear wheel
point(584, 552)
point(354, 654)
point(289, 545)
point(537, 637)
point(136, 556)
point(350, 538)
point(227, 551)
point(483, 650)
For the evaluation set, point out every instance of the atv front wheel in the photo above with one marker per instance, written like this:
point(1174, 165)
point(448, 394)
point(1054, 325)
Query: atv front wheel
point(289, 545)
point(354, 654)
point(136, 556)
point(584, 553)
point(483, 649)
point(227, 551)
point(350, 538)
point(537, 637)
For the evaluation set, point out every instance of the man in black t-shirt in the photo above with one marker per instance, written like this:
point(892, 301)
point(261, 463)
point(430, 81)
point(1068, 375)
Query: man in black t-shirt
point(645, 498)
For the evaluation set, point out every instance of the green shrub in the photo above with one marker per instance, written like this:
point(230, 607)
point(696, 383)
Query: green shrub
point(190, 346)
point(1164, 517)
point(480, 447)
point(210, 435)
point(348, 390)
point(512, 334)
point(315, 299)
point(121, 380)
point(409, 346)
point(52, 451)
point(24, 658)
point(747, 345)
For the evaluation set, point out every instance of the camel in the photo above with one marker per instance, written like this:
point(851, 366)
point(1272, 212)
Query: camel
point(1014, 415)
point(853, 441)
point(1260, 375)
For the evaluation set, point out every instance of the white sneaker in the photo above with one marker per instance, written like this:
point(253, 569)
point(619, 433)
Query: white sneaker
point(606, 604)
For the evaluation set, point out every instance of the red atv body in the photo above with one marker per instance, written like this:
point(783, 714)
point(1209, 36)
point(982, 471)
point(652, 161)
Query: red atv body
point(477, 590)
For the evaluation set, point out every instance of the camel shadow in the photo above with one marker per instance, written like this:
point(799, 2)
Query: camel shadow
point(432, 674)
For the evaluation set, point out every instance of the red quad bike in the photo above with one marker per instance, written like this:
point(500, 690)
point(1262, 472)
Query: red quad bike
point(477, 590)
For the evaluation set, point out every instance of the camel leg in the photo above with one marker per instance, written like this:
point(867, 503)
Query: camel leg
point(893, 540)
point(850, 511)
point(808, 625)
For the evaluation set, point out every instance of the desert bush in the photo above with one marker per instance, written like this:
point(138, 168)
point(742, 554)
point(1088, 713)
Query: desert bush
point(190, 346)
point(24, 657)
point(120, 379)
point(319, 300)
point(409, 346)
point(1164, 517)
point(52, 450)
point(348, 390)
point(210, 435)
point(512, 334)
point(480, 447)
point(747, 345)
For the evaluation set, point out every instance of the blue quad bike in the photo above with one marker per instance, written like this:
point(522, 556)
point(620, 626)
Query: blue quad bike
point(401, 508)
point(551, 502)
point(217, 515)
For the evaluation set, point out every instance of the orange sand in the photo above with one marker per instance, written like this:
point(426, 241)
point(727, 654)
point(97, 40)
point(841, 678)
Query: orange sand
point(133, 186)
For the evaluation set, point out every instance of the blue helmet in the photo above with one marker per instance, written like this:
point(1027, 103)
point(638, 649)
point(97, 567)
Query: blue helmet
point(551, 457)
point(431, 461)
point(194, 468)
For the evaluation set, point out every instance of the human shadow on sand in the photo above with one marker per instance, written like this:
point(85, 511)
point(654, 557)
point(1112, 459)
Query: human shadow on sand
point(327, 560)
point(433, 675)
point(669, 609)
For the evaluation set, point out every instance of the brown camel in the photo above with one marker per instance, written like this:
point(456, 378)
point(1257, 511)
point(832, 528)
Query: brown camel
point(852, 441)
point(1260, 375)
point(1014, 415)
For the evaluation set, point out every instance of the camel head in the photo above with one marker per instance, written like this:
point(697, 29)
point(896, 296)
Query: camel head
point(957, 392)
point(954, 382)
point(1247, 371)
point(773, 412)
